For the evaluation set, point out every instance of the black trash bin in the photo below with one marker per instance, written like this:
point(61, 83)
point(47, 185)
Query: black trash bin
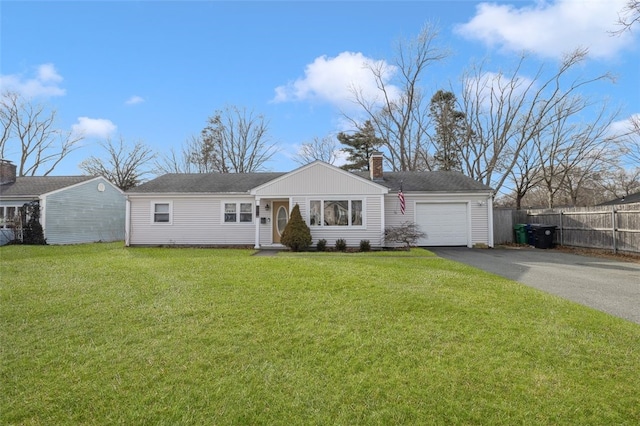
point(531, 238)
point(543, 236)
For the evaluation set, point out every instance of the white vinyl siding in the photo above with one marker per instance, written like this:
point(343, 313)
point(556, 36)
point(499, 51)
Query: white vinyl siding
point(195, 220)
point(476, 222)
point(319, 180)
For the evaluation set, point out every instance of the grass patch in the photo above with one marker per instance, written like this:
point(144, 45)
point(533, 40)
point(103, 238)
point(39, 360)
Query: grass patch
point(101, 334)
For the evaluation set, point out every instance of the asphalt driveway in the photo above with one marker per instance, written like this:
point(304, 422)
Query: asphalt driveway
point(607, 285)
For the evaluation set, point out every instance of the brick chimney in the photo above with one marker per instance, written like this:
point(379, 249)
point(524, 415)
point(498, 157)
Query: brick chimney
point(375, 165)
point(7, 172)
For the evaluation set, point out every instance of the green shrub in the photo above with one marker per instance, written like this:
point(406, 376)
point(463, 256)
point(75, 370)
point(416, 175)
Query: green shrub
point(296, 235)
point(322, 245)
point(341, 244)
point(32, 232)
point(365, 245)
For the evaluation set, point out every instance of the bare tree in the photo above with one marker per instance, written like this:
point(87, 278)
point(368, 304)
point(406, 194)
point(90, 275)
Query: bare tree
point(28, 130)
point(401, 119)
point(631, 144)
point(125, 166)
point(619, 183)
point(323, 149)
point(628, 16)
point(506, 111)
point(234, 141)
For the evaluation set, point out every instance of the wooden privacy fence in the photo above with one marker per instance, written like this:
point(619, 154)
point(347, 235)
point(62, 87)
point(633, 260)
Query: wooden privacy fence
point(615, 228)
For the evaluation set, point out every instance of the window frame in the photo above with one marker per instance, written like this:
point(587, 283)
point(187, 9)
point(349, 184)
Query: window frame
point(153, 212)
point(239, 213)
point(8, 224)
point(350, 212)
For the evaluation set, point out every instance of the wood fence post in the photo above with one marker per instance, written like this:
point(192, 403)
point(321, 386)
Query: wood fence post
point(613, 225)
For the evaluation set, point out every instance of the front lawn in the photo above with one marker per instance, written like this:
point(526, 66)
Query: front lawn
point(102, 334)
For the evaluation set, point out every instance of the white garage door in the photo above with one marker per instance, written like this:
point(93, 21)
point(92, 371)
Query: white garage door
point(444, 223)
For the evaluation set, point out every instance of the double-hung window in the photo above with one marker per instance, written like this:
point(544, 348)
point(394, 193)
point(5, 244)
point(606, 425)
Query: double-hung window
point(161, 212)
point(335, 213)
point(238, 212)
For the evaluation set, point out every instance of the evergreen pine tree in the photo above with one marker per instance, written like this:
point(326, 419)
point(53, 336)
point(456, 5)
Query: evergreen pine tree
point(359, 147)
point(450, 130)
point(296, 235)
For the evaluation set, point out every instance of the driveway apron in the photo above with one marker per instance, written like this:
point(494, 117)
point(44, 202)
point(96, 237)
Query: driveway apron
point(607, 285)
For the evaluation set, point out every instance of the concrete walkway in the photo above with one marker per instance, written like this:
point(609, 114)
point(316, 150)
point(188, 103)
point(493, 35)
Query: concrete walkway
point(607, 285)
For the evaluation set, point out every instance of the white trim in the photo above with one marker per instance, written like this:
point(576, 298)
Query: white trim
point(490, 218)
point(318, 163)
point(127, 222)
point(349, 199)
point(152, 211)
point(84, 182)
point(238, 203)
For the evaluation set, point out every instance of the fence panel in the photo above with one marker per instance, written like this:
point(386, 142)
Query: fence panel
point(614, 228)
point(503, 226)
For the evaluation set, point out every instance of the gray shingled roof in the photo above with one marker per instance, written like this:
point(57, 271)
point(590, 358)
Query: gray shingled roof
point(205, 183)
point(211, 183)
point(629, 199)
point(34, 186)
point(437, 181)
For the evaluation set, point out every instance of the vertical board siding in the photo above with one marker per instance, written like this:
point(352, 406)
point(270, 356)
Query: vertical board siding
point(82, 214)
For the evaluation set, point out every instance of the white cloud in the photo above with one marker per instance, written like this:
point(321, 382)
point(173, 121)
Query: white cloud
point(134, 100)
point(93, 127)
point(45, 83)
point(550, 28)
point(332, 80)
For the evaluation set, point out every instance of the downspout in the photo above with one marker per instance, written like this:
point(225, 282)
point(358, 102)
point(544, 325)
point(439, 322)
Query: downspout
point(490, 215)
point(127, 222)
point(43, 216)
point(383, 225)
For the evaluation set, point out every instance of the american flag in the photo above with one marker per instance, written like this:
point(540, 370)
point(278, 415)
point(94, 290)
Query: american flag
point(401, 198)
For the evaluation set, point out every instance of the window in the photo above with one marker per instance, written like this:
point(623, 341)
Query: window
point(238, 212)
point(161, 213)
point(335, 213)
point(8, 216)
point(230, 212)
point(246, 212)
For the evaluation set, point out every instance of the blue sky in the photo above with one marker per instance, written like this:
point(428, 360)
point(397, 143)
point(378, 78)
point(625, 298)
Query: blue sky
point(153, 71)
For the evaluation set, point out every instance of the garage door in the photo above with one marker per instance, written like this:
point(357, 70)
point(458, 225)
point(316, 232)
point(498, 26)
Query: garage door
point(444, 223)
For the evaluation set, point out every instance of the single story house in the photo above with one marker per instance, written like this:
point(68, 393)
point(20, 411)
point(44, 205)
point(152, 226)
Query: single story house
point(253, 208)
point(73, 209)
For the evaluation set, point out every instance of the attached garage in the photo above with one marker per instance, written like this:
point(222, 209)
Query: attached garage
point(446, 224)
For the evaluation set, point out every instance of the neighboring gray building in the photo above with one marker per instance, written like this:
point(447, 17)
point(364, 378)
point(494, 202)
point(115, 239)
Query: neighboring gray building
point(253, 208)
point(74, 209)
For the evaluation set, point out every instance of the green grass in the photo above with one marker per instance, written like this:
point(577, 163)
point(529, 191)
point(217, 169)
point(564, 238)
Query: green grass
point(101, 334)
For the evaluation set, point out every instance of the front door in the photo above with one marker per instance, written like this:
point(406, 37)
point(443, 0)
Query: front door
point(280, 219)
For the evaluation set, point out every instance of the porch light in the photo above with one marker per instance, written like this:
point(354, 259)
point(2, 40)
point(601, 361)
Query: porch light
point(266, 207)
